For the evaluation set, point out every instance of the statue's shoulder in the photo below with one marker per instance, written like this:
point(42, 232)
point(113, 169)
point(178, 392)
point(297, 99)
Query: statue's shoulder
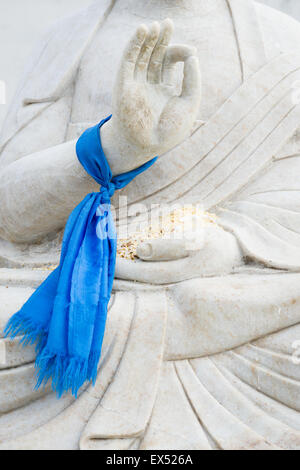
point(281, 32)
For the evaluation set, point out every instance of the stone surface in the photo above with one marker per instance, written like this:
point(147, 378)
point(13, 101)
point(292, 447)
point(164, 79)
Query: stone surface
point(290, 7)
point(200, 352)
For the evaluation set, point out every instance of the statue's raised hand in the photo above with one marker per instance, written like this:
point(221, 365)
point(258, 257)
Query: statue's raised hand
point(149, 117)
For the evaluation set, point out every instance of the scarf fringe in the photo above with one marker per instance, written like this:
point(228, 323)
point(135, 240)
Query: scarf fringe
point(31, 333)
point(67, 373)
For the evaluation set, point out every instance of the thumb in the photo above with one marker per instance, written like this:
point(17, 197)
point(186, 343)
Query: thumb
point(191, 84)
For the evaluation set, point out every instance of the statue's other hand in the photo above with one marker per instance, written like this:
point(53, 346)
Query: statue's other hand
point(152, 112)
point(163, 261)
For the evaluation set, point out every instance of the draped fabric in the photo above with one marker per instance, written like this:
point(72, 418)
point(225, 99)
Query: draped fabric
point(66, 315)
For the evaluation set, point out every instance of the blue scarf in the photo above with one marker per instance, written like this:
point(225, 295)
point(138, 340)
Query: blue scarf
point(66, 315)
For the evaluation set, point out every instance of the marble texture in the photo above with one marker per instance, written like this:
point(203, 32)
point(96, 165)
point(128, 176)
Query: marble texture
point(198, 350)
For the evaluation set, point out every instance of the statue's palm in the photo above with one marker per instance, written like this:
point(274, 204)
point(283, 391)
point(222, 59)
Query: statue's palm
point(147, 111)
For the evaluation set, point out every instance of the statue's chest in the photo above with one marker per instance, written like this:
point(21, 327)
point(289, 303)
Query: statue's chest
point(219, 60)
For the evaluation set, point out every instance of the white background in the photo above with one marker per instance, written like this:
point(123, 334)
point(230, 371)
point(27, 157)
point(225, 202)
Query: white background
point(22, 22)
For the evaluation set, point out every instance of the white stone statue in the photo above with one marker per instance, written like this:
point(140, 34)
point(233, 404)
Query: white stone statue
point(201, 348)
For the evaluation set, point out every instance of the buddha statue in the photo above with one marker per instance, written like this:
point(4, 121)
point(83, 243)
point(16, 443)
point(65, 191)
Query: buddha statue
point(200, 349)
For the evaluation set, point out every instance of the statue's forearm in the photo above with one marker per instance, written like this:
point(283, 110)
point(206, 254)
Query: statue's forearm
point(38, 192)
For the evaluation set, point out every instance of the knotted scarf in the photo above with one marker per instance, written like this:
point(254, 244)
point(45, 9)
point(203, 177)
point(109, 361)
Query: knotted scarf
point(66, 315)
